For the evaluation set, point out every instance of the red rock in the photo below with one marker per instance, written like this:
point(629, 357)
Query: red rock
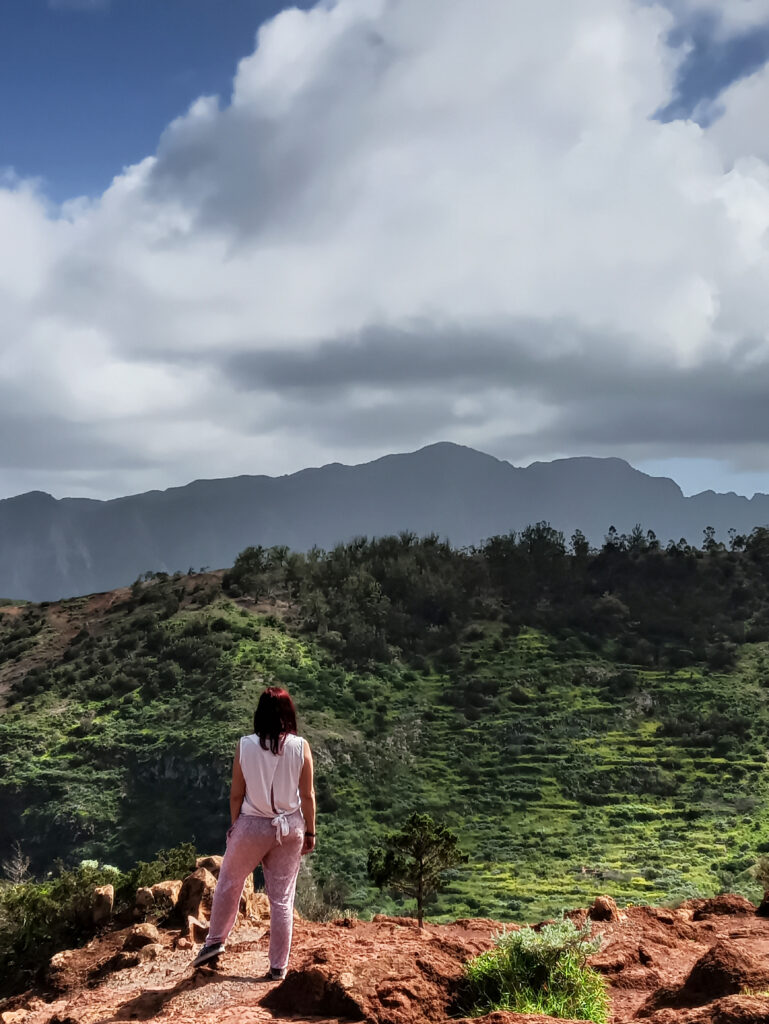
point(728, 904)
point(101, 906)
point(604, 908)
point(166, 894)
point(141, 935)
point(738, 1009)
point(725, 969)
point(197, 894)
point(212, 864)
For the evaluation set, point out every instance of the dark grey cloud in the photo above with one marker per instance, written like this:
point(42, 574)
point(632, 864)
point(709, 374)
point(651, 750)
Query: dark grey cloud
point(46, 442)
point(599, 392)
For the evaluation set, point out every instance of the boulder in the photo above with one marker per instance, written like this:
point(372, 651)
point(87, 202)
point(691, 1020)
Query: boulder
point(141, 935)
point(102, 903)
point(151, 951)
point(14, 1016)
point(197, 894)
point(212, 864)
point(166, 894)
point(145, 900)
point(62, 970)
point(604, 908)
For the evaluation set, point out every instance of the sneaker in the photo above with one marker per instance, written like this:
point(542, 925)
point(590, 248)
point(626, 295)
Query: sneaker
point(207, 953)
point(277, 973)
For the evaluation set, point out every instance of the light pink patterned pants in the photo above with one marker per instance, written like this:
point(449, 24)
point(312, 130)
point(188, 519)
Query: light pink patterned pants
point(251, 841)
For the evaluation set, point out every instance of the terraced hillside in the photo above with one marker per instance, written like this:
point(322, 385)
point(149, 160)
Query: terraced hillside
point(566, 766)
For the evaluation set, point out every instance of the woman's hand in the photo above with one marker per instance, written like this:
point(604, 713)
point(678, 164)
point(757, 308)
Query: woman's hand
point(308, 845)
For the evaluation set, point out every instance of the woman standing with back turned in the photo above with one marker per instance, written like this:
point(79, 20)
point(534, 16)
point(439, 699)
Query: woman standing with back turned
point(272, 804)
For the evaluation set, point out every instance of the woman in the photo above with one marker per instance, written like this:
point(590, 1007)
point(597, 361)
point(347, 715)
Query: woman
point(272, 805)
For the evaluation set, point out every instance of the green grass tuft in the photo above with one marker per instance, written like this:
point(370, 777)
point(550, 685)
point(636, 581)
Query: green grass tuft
point(542, 972)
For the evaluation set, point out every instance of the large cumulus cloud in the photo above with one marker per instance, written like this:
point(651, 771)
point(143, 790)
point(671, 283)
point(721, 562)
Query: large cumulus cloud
point(412, 220)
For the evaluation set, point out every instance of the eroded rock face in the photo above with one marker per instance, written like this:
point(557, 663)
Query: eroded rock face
point(14, 1017)
point(739, 1009)
point(725, 969)
point(727, 905)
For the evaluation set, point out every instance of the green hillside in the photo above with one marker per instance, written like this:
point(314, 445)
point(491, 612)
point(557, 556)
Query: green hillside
point(587, 721)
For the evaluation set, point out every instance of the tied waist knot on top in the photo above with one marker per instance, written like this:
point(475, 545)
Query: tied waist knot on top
point(280, 823)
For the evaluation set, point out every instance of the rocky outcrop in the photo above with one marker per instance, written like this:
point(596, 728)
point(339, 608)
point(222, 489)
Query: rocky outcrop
point(706, 962)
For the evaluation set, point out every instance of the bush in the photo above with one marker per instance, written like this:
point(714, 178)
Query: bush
point(541, 972)
point(37, 919)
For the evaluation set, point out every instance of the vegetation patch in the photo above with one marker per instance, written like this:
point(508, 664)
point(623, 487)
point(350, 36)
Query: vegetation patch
point(37, 919)
point(544, 972)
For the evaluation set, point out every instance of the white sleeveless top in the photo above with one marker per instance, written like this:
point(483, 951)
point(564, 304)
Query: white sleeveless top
point(272, 780)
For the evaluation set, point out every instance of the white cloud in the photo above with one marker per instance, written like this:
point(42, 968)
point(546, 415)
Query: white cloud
point(408, 165)
point(739, 118)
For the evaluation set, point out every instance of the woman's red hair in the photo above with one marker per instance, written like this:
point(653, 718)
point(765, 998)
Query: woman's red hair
point(274, 718)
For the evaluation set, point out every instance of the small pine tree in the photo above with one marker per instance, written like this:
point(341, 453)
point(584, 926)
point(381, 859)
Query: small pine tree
point(413, 860)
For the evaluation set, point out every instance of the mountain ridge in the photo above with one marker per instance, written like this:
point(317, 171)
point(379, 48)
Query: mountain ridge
point(60, 547)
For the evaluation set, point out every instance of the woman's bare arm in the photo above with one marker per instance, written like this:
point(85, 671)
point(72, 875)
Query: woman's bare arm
point(237, 789)
point(307, 796)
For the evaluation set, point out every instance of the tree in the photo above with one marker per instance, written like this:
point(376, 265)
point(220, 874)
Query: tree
point(413, 860)
point(580, 545)
point(248, 572)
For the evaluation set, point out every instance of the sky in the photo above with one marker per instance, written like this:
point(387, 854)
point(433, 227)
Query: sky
point(242, 238)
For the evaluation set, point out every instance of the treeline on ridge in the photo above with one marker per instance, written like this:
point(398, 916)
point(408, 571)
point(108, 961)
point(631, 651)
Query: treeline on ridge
point(376, 600)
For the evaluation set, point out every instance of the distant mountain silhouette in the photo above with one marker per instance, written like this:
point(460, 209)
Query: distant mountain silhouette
point(53, 548)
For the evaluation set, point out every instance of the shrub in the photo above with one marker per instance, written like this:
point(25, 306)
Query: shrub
point(37, 919)
point(542, 972)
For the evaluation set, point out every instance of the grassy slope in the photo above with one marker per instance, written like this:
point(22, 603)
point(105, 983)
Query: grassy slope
point(559, 768)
